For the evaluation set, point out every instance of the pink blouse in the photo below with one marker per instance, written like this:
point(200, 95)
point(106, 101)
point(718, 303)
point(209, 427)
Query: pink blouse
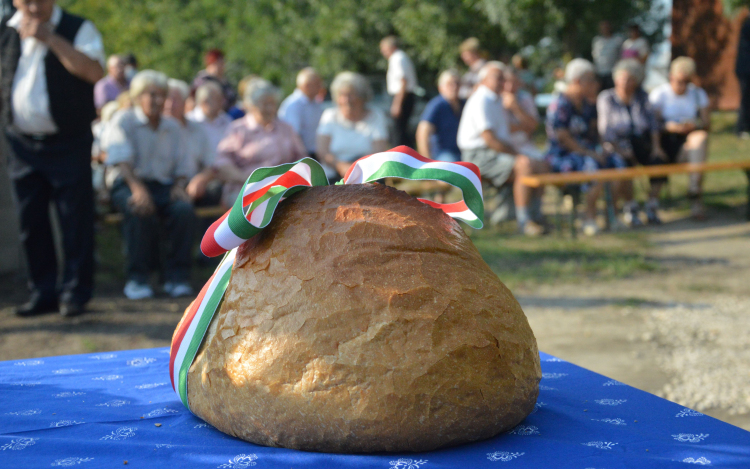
point(249, 146)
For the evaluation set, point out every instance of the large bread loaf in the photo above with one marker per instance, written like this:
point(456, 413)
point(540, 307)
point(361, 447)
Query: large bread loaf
point(364, 320)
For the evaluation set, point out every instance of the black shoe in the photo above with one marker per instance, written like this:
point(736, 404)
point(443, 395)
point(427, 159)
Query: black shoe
point(69, 309)
point(35, 307)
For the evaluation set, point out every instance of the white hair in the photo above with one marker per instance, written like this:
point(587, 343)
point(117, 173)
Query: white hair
point(633, 67)
point(576, 69)
point(180, 86)
point(259, 89)
point(491, 65)
point(113, 59)
point(206, 90)
point(683, 65)
point(146, 78)
point(447, 75)
point(109, 110)
point(305, 74)
point(353, 81)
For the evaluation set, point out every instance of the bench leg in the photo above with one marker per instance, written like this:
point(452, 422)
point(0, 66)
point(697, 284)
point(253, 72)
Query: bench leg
point(558, 211)
point(576, 195)
point(610, 201)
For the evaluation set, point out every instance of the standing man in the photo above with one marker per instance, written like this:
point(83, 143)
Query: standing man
point(743, 73)
point(605, 50)
point(401, 81)
point(302, 110)
point(49, 63)
point(471, 54)
point(113, 85)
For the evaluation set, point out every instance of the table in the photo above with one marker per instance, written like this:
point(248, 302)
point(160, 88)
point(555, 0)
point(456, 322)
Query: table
point(101, 410)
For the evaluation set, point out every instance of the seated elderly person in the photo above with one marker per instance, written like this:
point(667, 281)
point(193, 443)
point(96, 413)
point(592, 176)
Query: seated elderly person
point(682, 107)
point(438, 126)
point(627, 127)
point(145, 148)
point(523, 115)
point(209, 112)
point(351, 129)
point(257, 140)
point(195, 146)
point(484, 139)
point(572, 133)
point(302, 110)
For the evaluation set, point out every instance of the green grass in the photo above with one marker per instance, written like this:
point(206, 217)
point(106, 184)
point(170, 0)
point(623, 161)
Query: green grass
point(522, 262)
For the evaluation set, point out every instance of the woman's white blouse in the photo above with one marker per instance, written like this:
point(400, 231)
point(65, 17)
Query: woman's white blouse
point(352, 140)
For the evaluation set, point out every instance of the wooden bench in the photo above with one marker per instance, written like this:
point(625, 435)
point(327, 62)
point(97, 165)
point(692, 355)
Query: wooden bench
point(200, 212)
point(609, 175)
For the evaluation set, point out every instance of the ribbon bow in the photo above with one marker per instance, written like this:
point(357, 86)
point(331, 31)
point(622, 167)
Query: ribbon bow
point(254, 209)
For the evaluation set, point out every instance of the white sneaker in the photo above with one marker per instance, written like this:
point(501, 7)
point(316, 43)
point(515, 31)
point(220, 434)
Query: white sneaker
point(590, 228)
point(137, 291)
point(179, 289)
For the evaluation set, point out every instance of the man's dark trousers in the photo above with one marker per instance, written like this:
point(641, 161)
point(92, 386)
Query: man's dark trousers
point(55, 170)
point(141, 233)
point(743, 118)
point(402, 135)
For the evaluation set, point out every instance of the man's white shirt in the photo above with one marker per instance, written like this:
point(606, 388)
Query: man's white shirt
point(400, 66)
point(31, 114)
point(483, 111)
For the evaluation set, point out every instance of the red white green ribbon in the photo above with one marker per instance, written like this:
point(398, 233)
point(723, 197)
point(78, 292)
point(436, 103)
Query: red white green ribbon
point(189, 336)
point(257, 201)
point(405, 163)
point(254, 209)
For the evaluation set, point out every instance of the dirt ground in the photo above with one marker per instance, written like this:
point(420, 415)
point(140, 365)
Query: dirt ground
point(680, 331)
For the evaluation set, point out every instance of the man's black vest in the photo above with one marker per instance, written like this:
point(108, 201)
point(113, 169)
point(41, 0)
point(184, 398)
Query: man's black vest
point(71, 99)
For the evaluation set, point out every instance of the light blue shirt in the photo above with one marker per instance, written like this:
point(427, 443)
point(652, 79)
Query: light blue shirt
point(303, 114)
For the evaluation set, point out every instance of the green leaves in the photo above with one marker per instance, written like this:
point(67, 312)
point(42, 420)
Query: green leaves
point(275, 38)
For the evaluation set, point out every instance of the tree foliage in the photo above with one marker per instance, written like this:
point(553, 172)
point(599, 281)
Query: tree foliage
point(275, 38)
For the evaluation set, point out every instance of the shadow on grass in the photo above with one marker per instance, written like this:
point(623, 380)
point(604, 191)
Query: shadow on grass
point(577, 303)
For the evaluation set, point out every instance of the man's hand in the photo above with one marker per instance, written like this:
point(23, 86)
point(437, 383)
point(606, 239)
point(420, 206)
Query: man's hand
point(395, 109)
point(178, 193)
point(140, 202)
point(31, 27)
point(680, 128)
point(196, 188)
point(688, 127)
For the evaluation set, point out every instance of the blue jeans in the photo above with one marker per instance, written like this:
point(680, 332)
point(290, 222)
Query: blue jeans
point(447, 156)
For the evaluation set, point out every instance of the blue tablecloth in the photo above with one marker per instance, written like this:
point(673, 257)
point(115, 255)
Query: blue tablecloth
point(101, 410)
